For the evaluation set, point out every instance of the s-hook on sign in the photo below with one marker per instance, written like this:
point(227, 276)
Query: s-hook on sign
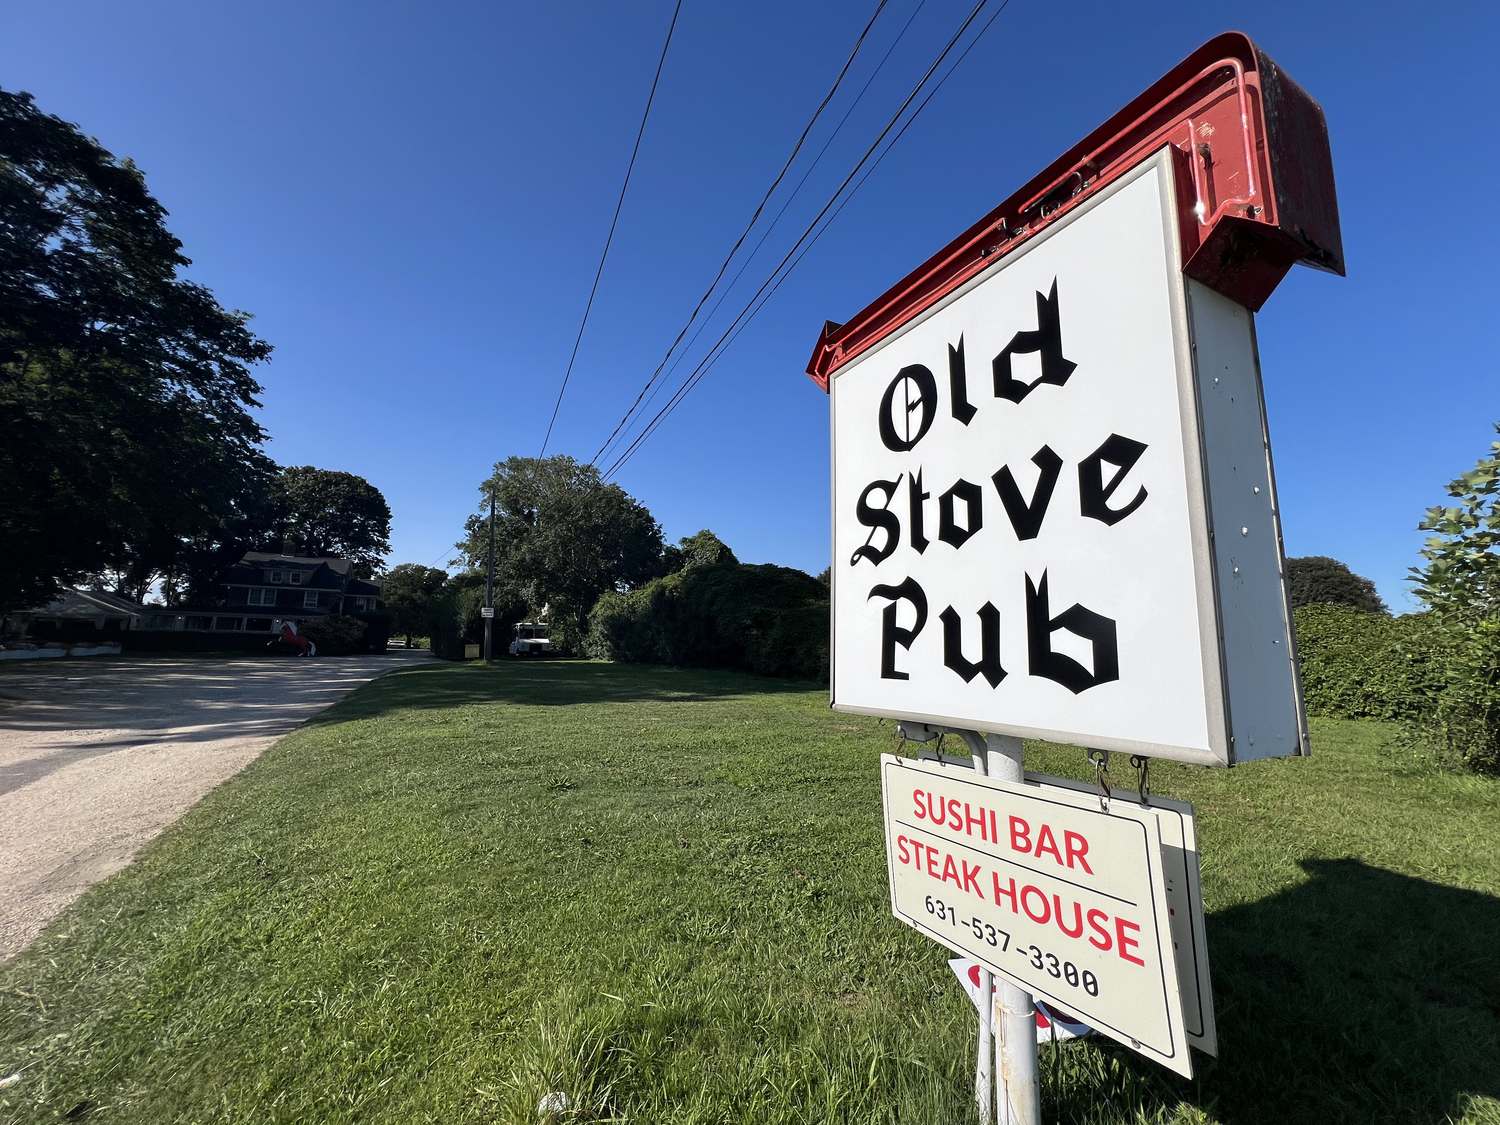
point(1054, 510)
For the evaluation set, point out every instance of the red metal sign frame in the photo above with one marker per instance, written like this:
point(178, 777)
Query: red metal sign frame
point(1256, 191)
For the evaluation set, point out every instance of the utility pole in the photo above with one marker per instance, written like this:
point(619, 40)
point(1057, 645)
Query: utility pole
point(489, 584)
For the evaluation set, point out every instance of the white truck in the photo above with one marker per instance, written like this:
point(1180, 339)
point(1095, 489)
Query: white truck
point(532, 639)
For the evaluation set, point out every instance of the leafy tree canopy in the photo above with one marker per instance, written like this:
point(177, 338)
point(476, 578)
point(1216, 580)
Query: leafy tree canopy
point(408, 593)
point(125, 391)
point(1462, 575)
point(1319, 580)
point(332, 513)
point(703, 549)
point(1461, 585)
point(562, 538)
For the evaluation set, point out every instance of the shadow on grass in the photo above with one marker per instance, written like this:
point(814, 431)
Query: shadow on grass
point(1361, 995)
point(550, 683)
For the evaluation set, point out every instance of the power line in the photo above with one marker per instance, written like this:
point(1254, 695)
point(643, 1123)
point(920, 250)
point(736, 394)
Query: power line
point(837, 129)
point(752, 307)
point(748, 226)
point(613, 222)
point(712, 358)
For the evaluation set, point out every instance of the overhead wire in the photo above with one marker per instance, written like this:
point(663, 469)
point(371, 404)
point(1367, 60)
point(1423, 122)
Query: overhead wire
point(613, 223)
point(777, 275)
point(764, 235)
point(748, 226)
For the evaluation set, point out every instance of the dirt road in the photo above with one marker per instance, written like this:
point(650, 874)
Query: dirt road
point(98, 755)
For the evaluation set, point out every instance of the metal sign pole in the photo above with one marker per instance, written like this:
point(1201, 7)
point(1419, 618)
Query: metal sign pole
point(1018, 1092)
point(489, 583)
point(984, 1086)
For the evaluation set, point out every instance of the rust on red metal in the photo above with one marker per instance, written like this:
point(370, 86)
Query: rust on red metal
point(1255, 178)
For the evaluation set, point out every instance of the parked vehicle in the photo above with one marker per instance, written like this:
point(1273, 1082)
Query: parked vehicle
point(533, 638)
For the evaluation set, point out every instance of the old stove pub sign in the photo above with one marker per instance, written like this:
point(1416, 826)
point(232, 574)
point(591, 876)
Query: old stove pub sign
point(1054, 517)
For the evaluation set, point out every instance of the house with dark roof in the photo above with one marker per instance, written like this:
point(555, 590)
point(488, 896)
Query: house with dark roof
point(74, 613)
point(265, 591)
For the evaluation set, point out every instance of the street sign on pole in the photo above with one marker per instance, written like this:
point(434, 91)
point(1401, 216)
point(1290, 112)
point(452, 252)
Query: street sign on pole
point(1054, 559)
point(1065, 900)
point(1055, 517)
point(487, 611)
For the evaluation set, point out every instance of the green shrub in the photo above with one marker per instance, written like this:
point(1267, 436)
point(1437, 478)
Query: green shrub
point(1463, 724)
point(335, 635)
point(766, 619)
point(1360, 665)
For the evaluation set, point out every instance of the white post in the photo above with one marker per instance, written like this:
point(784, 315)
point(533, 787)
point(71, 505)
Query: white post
point(1019, 1089)
point(984, 1096)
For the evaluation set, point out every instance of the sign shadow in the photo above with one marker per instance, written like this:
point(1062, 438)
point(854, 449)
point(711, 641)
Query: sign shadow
point(1361, 995)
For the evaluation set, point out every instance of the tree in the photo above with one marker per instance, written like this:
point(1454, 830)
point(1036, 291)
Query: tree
point(1462, 575)
point(408, 593)
point(703, 549)
point(562, 538)
point(335, 514)
point(125, 391)
point(1460, 585)
point(1319, 580)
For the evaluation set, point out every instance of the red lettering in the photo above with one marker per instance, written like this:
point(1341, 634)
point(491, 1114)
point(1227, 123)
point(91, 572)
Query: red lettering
point(950, 872)
point(1026, 903)
point(931, 859)
point(971, 878)
point(970, 820)
point(1020, 835)
point(1007, 893)
point(994, 829)
point(919, 803)
point(1077, 930)
point(955, 817)
point(901, 843)
point(1095, 917)
point(1120, 925)
point(1046, 842)
point(1077, 848)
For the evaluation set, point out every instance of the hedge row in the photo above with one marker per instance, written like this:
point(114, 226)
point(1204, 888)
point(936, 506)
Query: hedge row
point(766, 619)
point(1359, 665)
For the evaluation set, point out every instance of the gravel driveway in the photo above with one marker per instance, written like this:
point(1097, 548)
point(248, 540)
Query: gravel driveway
point(98, 755)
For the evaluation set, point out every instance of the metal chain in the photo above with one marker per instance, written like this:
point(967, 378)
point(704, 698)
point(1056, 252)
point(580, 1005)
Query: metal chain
point(1142, 766)
point(1100, 758)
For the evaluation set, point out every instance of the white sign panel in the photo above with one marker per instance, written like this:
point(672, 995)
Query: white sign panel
point(1048, 522)
point(1184, 889)
point(1067, 902)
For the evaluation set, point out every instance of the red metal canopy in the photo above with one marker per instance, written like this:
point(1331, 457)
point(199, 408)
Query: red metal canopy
point(1255, 178)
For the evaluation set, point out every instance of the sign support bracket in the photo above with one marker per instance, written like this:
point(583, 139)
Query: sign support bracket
point(1009, 1091)
point(1018, 1086)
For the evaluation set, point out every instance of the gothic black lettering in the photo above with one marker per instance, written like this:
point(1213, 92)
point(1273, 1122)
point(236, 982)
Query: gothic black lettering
point(877, 519)
point(892, 634)
point(1094, 493)
point(988, 664)
point(915, 496)
point(898, 433)
point(1027, 518)
point(1098, 630)
point(973, 497)
point(1047, 339)
point(958, 384)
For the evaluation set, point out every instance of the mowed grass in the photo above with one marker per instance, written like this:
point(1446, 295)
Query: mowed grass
point(662, 894)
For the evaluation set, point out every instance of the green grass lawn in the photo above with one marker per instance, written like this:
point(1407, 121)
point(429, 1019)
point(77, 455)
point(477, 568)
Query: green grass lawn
point(663, 893)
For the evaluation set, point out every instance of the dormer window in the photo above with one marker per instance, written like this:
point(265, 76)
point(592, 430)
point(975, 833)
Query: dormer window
point(276, 576)
point(297, 577)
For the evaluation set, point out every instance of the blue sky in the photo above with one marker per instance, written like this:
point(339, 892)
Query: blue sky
point(411, 199)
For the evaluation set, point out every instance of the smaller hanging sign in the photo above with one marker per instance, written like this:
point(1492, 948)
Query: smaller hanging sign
point(1069, 903)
